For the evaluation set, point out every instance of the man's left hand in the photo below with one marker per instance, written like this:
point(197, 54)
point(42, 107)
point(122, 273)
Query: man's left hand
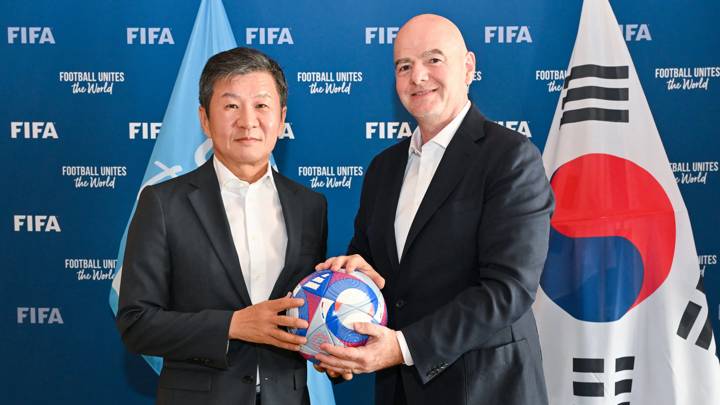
point(352, 263)
point(381, 351)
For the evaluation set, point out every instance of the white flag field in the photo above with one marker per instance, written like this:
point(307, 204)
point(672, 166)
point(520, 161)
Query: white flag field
point(622, 313)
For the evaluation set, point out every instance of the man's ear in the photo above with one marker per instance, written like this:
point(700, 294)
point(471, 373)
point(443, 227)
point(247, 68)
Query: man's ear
point(204, 121)
point(283, 114)
point(469, 67)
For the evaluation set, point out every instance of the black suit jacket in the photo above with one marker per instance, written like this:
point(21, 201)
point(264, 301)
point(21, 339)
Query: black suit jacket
point(181, 282)
point(462, 290)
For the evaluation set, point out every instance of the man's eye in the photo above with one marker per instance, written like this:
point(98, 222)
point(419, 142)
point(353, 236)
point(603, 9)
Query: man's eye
point(435, 60)
point(261, 105)
point(403, 68)
point(231, 106)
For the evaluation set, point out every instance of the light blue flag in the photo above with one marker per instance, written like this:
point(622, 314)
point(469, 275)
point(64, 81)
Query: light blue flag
point(181, 145)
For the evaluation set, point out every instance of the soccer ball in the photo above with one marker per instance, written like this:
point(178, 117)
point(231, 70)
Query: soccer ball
point(334, 301)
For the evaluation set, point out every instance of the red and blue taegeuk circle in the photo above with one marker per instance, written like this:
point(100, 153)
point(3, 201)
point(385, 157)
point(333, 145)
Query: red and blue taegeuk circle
point(612, 237)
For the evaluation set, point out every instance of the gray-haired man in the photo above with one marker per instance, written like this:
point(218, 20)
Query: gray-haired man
point(211, 254)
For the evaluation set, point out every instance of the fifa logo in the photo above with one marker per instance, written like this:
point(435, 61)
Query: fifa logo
point(36, 223)
point(30, 35)
point(34, 315)
point(387, 130)
point(268, 36)
point(507, 34)
point(33, 130)
point(149, 36)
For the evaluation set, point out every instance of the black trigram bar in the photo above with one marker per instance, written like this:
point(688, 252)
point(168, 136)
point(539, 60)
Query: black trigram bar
point(624, 363)
point(595, 92)
point(705, 336)
point(588, 389)
point(582, 365)
point(602, 72)
point(594, 114)
point(624, 403)
point(701, 284)
point(688, 319)
point(623, 386)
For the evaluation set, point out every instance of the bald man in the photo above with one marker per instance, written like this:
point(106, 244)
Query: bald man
point(454, 224)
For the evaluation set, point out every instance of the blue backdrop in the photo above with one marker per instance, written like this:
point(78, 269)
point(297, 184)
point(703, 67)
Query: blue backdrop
point(85, 86)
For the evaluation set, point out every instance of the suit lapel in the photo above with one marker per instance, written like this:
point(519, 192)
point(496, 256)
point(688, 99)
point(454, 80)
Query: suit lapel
point(387, 204)
point(208, 205)
point(450, 171)
point(292, 209)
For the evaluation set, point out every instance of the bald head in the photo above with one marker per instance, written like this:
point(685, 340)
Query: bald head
point(433, 70)
point(430, 28)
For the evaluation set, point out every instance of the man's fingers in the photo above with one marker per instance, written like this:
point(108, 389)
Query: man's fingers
point(284, 303)
point(287, 337)
point(284, 345)
point(338, 263)
point(327, 263)
point(334, 364)
point(331, 362)
point(340, 353)
point(375, 277)
point(356, 262)
point(333, 371)
point(367, 328)
point(290, 322)
point(335, 374)
point(332, 263)
point(324, 265)
point(352, 263)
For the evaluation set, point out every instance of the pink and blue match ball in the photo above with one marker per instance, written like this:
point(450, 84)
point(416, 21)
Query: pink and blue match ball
point(334, 301)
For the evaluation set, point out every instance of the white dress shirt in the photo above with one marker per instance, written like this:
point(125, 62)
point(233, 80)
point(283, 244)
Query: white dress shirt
point(423, 161)
point(257, 226)
point(258, 231)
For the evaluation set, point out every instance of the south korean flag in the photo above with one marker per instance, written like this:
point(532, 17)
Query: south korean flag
point(622, 313)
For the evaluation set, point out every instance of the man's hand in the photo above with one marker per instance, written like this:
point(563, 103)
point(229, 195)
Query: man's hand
point(333, 374)
point(350, 264)
point(260, 323)
point(381, 351)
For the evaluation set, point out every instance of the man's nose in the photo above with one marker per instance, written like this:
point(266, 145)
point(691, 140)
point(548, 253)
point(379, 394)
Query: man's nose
point(419, 74)
point(247, 117)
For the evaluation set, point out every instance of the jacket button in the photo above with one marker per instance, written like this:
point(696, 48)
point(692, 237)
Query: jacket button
point(400, 303)
point(247, 379)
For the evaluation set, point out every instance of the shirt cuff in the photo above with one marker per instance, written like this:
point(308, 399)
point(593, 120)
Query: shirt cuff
point(407, 357)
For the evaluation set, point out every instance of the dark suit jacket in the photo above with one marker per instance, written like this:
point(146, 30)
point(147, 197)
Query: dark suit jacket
point(462, 290)
point(181, 282)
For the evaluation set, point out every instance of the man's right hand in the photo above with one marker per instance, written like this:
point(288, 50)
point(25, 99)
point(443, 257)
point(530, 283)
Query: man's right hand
point(260, 323)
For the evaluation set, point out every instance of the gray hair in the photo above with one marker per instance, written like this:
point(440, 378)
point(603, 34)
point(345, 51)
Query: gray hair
point(239, 61)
